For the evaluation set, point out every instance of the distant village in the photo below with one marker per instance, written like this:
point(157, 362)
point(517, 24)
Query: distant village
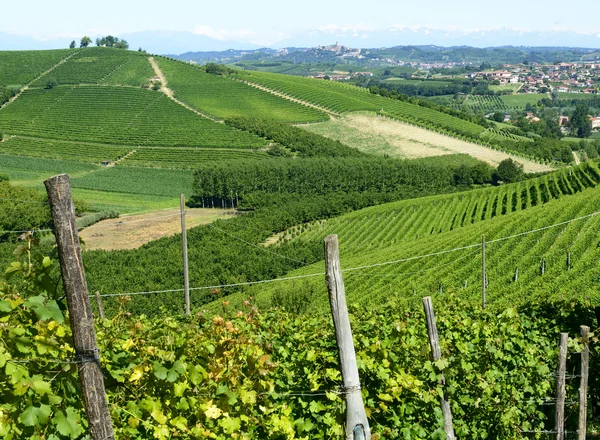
point(543, 78)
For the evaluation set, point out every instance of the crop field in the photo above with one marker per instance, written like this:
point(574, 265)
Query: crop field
point(377, 135)
point(50, 149)
point(522, 99)
point(22, 67)
point(224, 98)
point(485, 104)
point(386, 237)
point(97, 65)
point(116, 115)
point(31, 171)
point(187, 158)
point(155, 182)
point(578, 96)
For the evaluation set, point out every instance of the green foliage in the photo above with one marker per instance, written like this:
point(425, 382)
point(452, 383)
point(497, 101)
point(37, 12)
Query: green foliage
point(580, 122)
point(21, 209)
point(116, 115)
point(217, 69)
point(510, 171)
point(305, 143)
point(22, 67)
point(272, 374)
point(217, 183)
point(91, 219)
point(224, 97)
point(110, 41)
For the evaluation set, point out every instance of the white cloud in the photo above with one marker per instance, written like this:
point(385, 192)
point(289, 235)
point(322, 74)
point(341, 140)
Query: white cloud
point(242, 35)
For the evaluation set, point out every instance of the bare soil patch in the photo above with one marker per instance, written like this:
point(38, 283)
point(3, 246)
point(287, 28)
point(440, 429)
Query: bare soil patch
point(132, 231)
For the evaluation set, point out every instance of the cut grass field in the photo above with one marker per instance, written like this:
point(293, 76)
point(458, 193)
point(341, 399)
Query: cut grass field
point(132, 231)
point(378, 135)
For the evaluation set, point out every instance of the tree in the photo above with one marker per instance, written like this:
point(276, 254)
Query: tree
point(580, 122)
point(510, 171)
point(50, 83)
point(498, 116)
point(110, 41)
point(85, 41)
point(72, 45)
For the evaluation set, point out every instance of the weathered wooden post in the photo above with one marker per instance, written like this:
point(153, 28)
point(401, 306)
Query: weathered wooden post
point(437, 354)
point(483, 272)
point(561, 386)
point(569, 260)
point(100, 308)
point(80, 310)
point(184, 250)
point(543, 266)
point(356, 417)
point(516, 274)
point(583, 384)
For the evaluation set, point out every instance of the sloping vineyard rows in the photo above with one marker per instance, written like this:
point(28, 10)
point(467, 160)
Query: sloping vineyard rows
point(409, 220)
point(456, 273)
point(44, 148)
point(485, 103)
point(95, 64)
point(116, 115)
point(342, 98)
point(275, 375)
point(187, 158)
point(158, 182)
point(499, 134)
point(224, 98)
point(136, 72)
point(22, 67)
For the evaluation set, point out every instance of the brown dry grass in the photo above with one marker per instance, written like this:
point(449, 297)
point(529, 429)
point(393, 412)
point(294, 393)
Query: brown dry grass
point(132, 231)
point(378, 135)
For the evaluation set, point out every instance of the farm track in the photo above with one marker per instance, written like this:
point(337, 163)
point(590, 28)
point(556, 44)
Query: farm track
point(171, 95)
point(288, 97)
point(26, 86)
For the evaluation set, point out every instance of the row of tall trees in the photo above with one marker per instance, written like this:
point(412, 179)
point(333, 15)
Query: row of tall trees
point(108, 41)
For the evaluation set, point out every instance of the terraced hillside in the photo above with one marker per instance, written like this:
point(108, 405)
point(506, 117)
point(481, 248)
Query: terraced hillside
point(224, 98)
point(410, 248)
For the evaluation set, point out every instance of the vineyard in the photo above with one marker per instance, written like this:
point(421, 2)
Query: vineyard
point(224, 98)
point(485, 103)
point(188, 158)
point(50, 149)
point(100, 65)
point(116, 115)
point(22, 67)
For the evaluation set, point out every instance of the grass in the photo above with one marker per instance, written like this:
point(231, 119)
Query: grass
point(522, 99)
point(124, 202)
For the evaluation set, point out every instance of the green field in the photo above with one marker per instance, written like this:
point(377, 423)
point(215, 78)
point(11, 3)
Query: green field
point(101, 65)
point(522, 99)
point(116, 115)
point(223, 98)
point(375, 236)
point(22, 67)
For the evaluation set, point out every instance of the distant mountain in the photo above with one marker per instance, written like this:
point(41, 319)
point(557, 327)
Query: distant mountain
point(424, 36)
point(178, 42)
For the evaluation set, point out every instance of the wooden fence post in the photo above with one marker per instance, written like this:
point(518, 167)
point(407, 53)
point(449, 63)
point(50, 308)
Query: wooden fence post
point(516, 274)
point(80, 310)
point(437, 354)
point(483, 272)
point(560, 386)
point(100, 308)
point(356, 417)
point(583, 384)
point(568, 260)
point(543, 266)
point(184, 250)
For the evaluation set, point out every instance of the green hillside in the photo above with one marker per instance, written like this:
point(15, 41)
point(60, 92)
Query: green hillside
point(224, 98)
point(382, 241)
point(22, 67)
point(101, 65)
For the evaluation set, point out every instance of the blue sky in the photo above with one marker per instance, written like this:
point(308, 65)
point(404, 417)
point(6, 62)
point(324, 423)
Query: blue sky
point(266, 22)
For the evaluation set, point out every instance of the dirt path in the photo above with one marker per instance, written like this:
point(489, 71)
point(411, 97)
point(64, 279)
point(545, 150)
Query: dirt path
point(167, 91)
point(378, 135)
point(132, 231)
point(26, 86)
point(288, 97)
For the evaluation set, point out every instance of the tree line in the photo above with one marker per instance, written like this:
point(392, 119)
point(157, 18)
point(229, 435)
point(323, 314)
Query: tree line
point(225, 184)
